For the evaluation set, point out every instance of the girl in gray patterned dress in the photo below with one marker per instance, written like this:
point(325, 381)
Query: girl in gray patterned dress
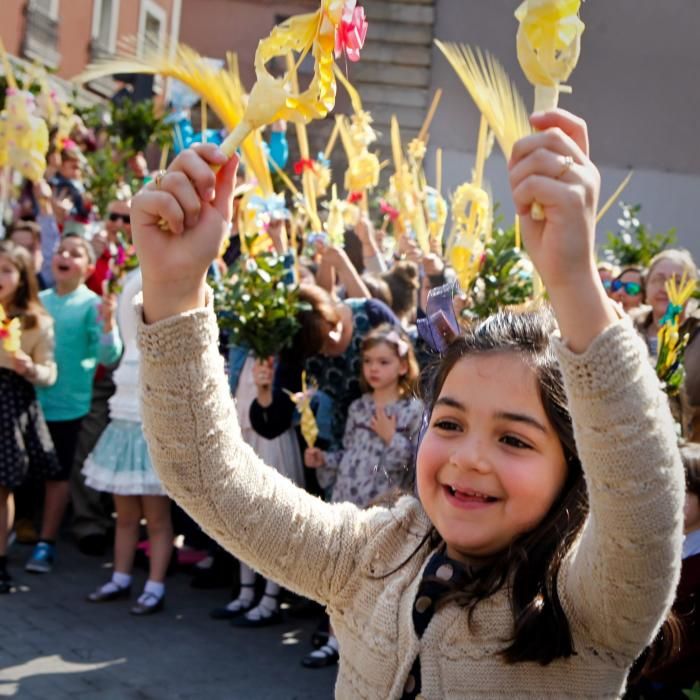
point(382, 426)
point(380, 438)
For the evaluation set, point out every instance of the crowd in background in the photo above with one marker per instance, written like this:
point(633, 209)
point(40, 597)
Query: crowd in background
point(73, 458)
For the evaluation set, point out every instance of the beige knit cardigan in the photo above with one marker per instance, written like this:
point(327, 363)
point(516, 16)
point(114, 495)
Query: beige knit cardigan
point(616, 585)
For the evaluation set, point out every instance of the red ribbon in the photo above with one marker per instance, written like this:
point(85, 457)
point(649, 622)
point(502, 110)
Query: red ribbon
point(355, 197)
point(387, 209)
point(304, 164)
point(351, 34)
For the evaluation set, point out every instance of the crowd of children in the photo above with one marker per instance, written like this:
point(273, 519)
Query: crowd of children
point(541, 475)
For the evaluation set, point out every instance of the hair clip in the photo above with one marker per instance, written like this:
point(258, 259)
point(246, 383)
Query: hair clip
point(440, 327)
point(401, 345)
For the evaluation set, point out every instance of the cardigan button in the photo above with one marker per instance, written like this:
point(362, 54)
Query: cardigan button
point(423, 603)
point(445, 572)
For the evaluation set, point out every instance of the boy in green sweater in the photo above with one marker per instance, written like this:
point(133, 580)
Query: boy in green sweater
point(86, 334)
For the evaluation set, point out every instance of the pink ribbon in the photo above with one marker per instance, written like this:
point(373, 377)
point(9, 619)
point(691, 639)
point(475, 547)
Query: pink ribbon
point(351, 34)
point(387, 209)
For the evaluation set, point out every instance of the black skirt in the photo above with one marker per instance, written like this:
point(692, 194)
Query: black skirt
point(25, 443)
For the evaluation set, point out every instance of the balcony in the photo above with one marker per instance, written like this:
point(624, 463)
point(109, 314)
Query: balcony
point(40, 38)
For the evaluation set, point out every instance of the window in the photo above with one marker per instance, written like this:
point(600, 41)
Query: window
point(48, 8)
point(40, 42)
point(152, 19)
point(105, 17)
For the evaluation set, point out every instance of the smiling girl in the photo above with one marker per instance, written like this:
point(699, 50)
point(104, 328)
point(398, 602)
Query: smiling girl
point(498, 580)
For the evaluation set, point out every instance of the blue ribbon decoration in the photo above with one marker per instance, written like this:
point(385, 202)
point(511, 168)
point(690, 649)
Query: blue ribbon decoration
point(274, 206)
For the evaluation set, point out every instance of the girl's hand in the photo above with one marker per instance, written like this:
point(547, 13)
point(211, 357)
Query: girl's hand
point(552, 167)
point(384, 425)
point(23, 365)
point(314, 458)
point(197, 205)
point(108, 308)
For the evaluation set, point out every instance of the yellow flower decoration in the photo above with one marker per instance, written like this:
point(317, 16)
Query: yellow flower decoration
point(549, 42)
point(472, 221)
point(272, 98)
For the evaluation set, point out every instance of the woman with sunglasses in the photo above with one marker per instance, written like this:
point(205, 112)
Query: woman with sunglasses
point(628, 288)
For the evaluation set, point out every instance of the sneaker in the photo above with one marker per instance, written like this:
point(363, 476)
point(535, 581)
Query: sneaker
point(42, 559)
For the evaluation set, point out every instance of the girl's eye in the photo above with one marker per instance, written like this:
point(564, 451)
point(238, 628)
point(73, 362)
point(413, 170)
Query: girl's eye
point(446, 424)
point(516, 442)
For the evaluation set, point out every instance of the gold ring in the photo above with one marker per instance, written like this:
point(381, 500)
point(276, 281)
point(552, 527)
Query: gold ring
point(568, 164)
point(158, 178)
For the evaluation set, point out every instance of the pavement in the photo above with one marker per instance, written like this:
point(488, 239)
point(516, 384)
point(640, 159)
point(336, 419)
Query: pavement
point(54, 645)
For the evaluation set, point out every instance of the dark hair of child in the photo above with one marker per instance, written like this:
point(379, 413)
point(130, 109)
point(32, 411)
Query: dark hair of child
point(316, 320)
point(403, 283)
point(378, 288)
point(25, 305)
point(389, 335)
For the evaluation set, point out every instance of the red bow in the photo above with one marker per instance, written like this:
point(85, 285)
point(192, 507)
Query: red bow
point(304, 164)
point(351, 33)
point(355, 197)
point(387, 209)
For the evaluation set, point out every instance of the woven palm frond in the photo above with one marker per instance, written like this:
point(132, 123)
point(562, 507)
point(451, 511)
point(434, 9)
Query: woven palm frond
point(492, 90)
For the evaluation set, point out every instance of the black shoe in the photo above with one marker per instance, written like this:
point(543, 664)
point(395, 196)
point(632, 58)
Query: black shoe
point(274, 618)
point(100, 596)
point(93, 545)
point(141, 609)
point(269, 617)
point(321, 658)
point(227, 614)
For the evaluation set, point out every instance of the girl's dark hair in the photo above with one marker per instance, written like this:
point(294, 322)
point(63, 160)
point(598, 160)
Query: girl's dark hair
point(25, 305)
point(389, 335)
point(315, 322)
point(378, 288)
point(403, 284)
point(530, 567)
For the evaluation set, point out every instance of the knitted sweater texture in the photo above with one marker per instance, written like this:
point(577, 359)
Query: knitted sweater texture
point(616, 584)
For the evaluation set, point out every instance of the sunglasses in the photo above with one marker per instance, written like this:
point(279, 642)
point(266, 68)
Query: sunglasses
point(630, 288)
point(125, 218)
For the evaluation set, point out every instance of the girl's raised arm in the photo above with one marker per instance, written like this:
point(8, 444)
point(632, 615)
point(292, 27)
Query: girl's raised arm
point(618, 581)
point(188, 414)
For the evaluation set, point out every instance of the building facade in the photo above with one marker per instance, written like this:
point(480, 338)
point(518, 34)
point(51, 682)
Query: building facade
point(66, 35)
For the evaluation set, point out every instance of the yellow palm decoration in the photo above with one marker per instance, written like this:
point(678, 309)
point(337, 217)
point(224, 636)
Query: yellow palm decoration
point(671, 346)
point(309, 427)
point(220, 88)
point(10, 332)
point(363, 170)
point(472, 217)
point(493, 92)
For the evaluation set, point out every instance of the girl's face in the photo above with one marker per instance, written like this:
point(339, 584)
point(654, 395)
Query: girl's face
point(382, 367)
point(9, 280)
point(490, 465)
